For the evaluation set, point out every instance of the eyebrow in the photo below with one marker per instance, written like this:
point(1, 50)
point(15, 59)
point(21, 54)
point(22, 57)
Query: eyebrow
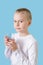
point(19, 20)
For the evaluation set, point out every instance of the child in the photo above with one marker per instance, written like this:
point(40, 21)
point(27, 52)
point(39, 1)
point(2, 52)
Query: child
point(21, 48)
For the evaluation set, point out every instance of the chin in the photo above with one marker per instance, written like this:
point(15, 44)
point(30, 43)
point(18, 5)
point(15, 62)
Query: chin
point(19, 31)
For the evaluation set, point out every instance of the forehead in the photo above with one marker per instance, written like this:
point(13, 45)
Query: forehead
point(20, 15)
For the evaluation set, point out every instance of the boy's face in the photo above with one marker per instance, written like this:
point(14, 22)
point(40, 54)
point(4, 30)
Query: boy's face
point(20, 22)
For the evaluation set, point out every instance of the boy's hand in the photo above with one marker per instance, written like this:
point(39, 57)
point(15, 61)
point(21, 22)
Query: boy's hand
point(10, 43)
point(6, 40)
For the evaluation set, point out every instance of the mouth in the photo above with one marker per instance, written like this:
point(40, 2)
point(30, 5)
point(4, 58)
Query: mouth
point(17, 28)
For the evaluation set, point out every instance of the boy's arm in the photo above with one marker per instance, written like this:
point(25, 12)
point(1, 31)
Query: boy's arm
point(7, 52)
point(33, 54)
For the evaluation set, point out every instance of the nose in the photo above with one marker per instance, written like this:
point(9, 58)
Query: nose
point(17, 23)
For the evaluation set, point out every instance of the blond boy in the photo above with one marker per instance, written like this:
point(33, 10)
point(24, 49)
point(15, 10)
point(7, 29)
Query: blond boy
point(22, 47)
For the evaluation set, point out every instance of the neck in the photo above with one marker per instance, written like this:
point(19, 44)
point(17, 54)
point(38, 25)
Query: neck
point(23, 33)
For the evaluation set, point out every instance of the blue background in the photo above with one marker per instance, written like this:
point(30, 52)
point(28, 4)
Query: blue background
point(7, 9)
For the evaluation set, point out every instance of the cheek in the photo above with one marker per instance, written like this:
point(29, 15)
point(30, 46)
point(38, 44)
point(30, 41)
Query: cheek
point(24, 25)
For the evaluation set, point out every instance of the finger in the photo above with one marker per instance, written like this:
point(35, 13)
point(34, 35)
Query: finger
point(6, 38)
point(7, 43)
point(11, 43)
point(12, 40)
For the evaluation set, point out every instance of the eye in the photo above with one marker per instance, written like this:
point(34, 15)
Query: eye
point(21, 21)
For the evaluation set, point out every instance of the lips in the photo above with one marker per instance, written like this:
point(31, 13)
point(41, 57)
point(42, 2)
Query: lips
point(17, 28)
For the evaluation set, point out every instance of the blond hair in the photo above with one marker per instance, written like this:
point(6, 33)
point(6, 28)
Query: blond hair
point(26, 12)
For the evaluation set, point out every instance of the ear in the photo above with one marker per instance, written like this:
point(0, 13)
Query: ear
point(29, 22)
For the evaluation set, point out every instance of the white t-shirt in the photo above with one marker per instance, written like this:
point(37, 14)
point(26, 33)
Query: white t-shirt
point(26, 54)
